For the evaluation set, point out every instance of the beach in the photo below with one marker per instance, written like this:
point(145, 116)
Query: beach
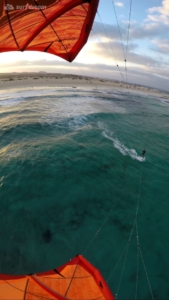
point(43, 79)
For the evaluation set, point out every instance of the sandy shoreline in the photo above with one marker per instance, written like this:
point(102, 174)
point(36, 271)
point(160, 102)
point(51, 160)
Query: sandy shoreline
point(32, 80)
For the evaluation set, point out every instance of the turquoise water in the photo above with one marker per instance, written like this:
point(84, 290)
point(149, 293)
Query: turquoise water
point(71, 157)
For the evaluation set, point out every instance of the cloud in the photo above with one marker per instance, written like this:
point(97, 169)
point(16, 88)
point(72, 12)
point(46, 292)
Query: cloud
point(137, 31)
point(156, 24)
point(159, 14)
point(111, 31)
point(164, 9)
point(148, 30)
point(161, 46)
point(111, 51)
point(120, 4)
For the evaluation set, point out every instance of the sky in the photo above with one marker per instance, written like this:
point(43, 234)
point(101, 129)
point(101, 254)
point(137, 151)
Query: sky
point(147, 54)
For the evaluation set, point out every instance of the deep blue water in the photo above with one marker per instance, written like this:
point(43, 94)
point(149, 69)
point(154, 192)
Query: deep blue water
point(71, 157)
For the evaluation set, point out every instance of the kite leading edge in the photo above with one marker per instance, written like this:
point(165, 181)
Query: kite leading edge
point(77, 279)
point(59, 27)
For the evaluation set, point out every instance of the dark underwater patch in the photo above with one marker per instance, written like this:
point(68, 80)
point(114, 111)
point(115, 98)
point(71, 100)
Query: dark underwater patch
point(47, 236)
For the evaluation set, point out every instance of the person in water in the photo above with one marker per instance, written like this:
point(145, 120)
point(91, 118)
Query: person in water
point(143, 153)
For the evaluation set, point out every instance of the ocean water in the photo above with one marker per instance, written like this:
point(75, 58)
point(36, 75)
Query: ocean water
point(71, 181)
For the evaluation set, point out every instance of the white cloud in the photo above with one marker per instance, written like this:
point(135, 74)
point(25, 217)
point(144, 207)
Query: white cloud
point(159, 13)
point(149, 30)
point(164, 9)
point(120, 4)
point(161, 46)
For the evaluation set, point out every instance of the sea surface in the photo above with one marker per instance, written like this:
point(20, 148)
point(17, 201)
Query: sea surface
point(72, 180)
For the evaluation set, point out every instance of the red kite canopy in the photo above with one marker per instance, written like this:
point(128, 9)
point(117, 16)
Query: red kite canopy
point(76, 280)
point(59, 27)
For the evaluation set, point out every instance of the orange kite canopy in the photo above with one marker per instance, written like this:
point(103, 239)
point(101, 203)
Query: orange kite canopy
point(75, 280)
point(59, 27)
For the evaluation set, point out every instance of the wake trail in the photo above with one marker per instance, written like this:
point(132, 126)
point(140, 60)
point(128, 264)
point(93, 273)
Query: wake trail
point(119, 145)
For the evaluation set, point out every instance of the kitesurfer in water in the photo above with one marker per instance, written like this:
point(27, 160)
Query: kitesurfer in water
point(143, 153)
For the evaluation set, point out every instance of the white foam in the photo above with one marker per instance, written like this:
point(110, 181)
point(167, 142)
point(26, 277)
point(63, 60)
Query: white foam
point(14, 97)
point(2, 180)
point(11, 101)
point(82, 101)
point(119, 145)
point(14, 153)
point(79, 122)
point(165, 102)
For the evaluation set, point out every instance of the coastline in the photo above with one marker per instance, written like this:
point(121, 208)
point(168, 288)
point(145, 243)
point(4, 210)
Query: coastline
point(33, 80)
